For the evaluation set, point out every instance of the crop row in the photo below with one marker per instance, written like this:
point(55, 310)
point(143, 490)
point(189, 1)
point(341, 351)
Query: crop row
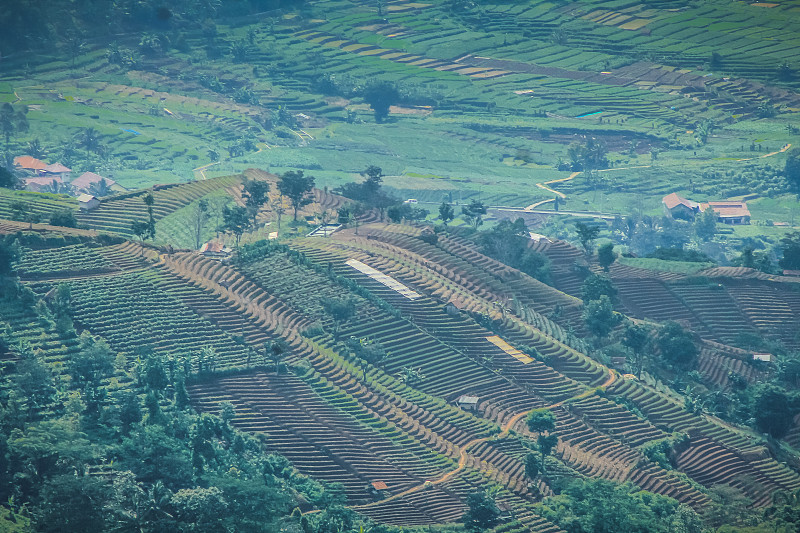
point(60, 261)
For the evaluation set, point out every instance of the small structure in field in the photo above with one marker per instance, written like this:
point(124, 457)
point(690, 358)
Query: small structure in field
point(453, 307)
point(377, 489)
point(538, 237)
point(87, 202)
point(468, 402)
point(215, 250)
point(766, 357)
point(618, 362)
point(324, 230)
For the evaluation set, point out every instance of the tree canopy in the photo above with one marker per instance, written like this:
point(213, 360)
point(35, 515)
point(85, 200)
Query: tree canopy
point(676, 345)
point(790, 246)
point(601, 506)
point(541, 421)
point(298, 188)
point(508, 242)
point(380, 95)
point(473, 213)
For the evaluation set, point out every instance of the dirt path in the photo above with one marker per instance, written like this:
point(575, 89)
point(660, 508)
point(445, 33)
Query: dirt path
point(202, 170)
point(546, 183)
point(462, 461)
point(788, 145)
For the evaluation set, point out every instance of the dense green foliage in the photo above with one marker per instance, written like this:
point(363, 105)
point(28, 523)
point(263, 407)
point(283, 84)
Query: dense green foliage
point(600, 506)
point(71, 24)
point(508, 242)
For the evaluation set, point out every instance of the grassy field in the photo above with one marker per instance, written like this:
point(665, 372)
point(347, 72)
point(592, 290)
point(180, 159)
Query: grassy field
point(493, 97)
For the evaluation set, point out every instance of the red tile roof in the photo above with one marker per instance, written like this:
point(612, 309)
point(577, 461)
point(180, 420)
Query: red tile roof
point(85, 180)
point(56, 168)
point(727, 209)
point(30, 163)
point(212, 247)
point(673, 200)
point(42, 180)
point(379, 485)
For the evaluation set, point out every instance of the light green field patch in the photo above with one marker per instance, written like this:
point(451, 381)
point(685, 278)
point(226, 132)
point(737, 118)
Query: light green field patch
point(681, 267)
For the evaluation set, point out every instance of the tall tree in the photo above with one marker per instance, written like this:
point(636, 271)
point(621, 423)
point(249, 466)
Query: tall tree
point(380, 95)
point(297, 188)
point(595, 286)
point(7, 179)
point(588, 156)
point(255, 195)
point(772, 410)
point(446, 213)
point(546, 444)
point(790, 245)
point(89, 139)
point(141, 230)
point(541, 421)
point(473, 213)
point(791, 169)
point(587, 234)
point(676, 345)
point(12, 121)
point(705, 225)
point(340, 310)
point(482, 513)
point(276, 351)
point(100, 188)
point(532, 465)
point(606, 255)
point(278, 206)
point(600, 317)
point(199, 219)
point(637, 339)
point(235, 220)
point(149, 201)
point(35, 149)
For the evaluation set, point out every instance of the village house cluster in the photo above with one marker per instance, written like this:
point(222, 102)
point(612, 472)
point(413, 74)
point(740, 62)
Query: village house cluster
point(39, 176)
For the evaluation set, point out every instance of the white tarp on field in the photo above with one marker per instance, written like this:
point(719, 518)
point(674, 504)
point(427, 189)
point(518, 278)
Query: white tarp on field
point(384, 279)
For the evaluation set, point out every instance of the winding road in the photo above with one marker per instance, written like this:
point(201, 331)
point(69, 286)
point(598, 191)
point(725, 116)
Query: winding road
point(462, 461)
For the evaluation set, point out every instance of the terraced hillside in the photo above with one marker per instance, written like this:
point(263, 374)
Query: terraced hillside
point(720, 304)
point(372, 397)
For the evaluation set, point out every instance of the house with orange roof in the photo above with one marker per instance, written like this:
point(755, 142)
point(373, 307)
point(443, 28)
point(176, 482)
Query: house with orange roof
point(42, 183)
point(29, 164)
point(57, 169)
point(679, 207)
point(85, 181)
point(729, 212)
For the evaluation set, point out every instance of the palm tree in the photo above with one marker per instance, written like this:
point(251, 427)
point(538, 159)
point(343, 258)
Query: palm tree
point(100, 188)
point(12, 121)
point(89, 139)
point(35, 149)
